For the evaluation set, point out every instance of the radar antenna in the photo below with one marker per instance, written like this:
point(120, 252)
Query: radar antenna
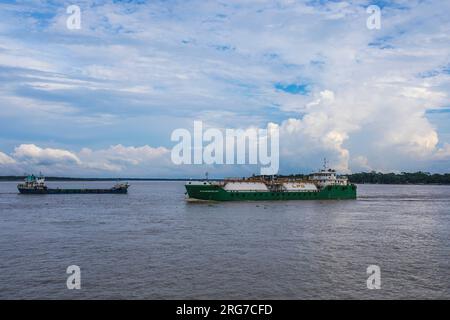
point(324, 163)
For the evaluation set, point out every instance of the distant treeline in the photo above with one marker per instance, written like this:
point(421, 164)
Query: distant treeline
point(363, 177)
point(391, 178)
point(400, 178)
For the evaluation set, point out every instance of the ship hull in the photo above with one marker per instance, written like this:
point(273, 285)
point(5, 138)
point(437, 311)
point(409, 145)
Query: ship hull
point(72, 191)
point(217, 193)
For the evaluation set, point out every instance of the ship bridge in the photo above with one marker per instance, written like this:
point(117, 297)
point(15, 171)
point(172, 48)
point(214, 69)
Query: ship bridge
point(327, 177)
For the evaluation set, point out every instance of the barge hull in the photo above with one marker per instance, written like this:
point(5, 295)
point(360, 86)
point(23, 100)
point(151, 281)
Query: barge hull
point(217, 193)
point(71, 191)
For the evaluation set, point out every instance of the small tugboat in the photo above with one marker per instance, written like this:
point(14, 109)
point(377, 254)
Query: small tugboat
point(36, 185)
point(322, 185)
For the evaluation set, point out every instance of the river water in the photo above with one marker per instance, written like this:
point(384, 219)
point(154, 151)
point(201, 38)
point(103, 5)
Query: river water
point(152, 244)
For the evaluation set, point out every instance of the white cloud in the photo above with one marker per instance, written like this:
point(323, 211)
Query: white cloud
point(116, 160)
point(5, 159)
point(32, 154)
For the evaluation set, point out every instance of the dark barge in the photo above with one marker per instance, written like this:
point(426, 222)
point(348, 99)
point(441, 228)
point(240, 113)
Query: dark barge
point(36, 185)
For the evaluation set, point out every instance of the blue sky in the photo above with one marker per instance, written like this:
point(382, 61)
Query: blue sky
point(103, 100)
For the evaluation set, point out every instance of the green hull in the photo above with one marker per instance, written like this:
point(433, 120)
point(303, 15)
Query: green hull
point(217, 193)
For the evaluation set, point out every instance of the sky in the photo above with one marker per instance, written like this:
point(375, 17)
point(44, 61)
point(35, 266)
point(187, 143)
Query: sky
point(103, 100)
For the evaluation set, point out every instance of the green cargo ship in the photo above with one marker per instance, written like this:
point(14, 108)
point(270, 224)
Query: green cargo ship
point(323, 185)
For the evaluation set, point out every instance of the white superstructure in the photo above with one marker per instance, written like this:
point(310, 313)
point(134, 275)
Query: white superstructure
point(327, 177)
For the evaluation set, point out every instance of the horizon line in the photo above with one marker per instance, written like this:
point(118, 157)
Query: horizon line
point(4, 177)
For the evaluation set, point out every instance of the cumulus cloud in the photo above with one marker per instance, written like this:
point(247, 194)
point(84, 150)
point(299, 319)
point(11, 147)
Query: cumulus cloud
point(382, 122)
point(116, 160)
point(5, 159)
point(32, 154)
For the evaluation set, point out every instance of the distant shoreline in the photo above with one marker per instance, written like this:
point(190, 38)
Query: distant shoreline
point(405, 178)
point(20, 178)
